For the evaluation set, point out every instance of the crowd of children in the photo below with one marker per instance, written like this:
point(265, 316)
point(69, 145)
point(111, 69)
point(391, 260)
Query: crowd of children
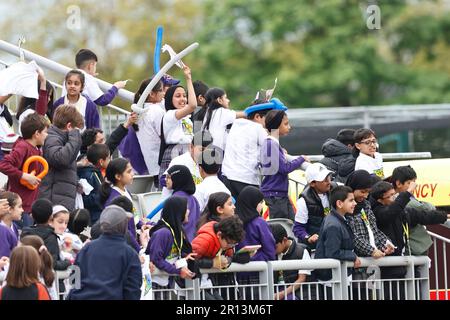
point(215, 178)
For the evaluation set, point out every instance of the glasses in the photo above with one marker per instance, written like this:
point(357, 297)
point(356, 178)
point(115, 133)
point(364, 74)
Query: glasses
point(369, 142)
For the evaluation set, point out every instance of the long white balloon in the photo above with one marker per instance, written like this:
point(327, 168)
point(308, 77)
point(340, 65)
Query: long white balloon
point(138, 108)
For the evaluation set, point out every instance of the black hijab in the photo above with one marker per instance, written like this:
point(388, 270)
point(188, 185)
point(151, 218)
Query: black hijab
point(247, 202)
point(181, 179)
point(168, 97)
point(173, 214)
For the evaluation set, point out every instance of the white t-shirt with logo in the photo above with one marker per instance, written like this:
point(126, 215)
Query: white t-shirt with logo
point(371, 165)
point(177, 131)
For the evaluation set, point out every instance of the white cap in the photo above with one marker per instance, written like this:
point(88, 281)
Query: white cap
point(59, 208)
point(316, 172)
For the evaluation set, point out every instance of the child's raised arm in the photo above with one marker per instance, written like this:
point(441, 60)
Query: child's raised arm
point(192, 100)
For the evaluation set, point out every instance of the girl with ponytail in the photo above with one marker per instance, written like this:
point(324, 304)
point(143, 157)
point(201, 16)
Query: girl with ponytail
point(219, 117)
point(119, 174)
point(46, 274)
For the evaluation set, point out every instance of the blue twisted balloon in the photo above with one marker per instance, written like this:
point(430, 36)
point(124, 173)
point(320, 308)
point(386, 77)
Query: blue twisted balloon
point(157, 209)
point(157, 52)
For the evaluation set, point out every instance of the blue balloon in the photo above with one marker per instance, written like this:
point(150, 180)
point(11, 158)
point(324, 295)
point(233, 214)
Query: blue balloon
point(157, 53)
point(157, 209)
point(273, 104)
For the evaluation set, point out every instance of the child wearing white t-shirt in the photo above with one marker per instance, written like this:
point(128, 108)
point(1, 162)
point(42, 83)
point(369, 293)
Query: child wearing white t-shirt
point(219, 117)
point(149, 124)
point(368, 159)
point(241, 160)
point(189, 159)
point(209, 167)
point(176, 125)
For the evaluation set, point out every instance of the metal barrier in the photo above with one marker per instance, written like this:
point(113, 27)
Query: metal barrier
point(307, 290)
point(388, 156)
point(414, 286)
point(263, 288)
point(58, 68)
point(441, 285)
point(62, 276)
point(372, 286)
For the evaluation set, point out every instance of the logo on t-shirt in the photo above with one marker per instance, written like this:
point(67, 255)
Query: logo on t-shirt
point(188, 128)
point(379, 173)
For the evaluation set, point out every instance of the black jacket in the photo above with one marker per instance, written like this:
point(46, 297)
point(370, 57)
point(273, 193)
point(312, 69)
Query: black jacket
point(392, 219)
point(334, 152)
point(335, 242)
point(47, 233)
point(92, 201)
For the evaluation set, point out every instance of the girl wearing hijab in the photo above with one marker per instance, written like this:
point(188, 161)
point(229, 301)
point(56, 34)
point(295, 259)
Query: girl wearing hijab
point(257, 232)
point(168, 244)
point(179, 179)
point(276, 167)
point(176, 125)
point(248, 206)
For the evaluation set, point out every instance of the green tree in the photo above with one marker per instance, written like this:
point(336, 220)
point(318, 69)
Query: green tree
point(322, 52)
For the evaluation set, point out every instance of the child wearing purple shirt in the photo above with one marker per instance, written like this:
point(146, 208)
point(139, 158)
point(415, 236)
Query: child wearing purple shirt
point(257, 232)
point(179, 179)
point(119, 174)
point(276, 167)
point(9, 234)
point(168, 244)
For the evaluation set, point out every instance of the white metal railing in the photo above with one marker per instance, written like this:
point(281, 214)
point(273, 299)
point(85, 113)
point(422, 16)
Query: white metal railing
point(416, 287)
point(308, 290)
point(438, 241)
point(388, 156)
point(374, 288)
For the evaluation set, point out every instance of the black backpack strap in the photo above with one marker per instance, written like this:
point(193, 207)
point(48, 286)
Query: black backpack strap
point(162, 146)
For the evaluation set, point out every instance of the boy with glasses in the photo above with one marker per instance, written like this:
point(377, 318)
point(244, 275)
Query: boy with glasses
point(366, 152)
point(214, 248)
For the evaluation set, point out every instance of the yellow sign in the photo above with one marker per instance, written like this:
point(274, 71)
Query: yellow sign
point(433, 179)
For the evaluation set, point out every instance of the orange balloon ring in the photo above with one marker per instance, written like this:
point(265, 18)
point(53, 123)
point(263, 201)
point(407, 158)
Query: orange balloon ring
point(41, 175)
